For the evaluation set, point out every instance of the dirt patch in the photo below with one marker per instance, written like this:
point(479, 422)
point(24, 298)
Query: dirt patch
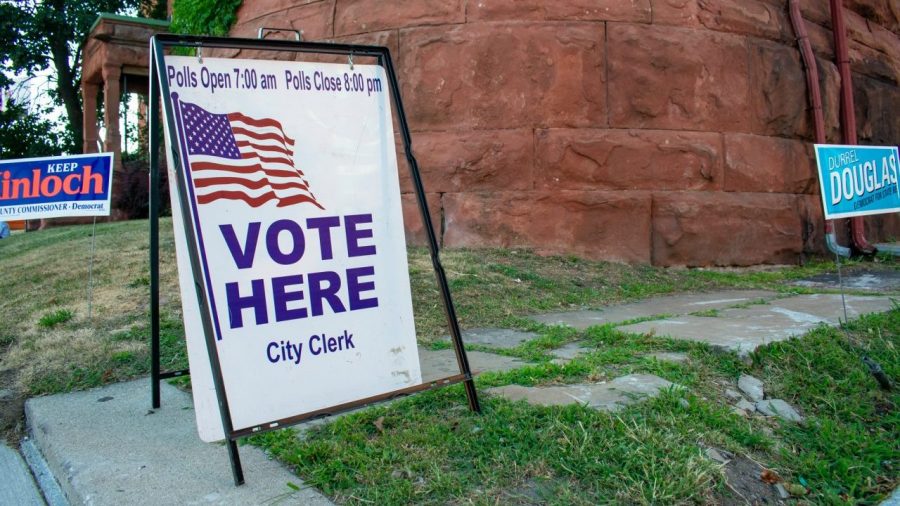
point(12, 408)
point(746, 486)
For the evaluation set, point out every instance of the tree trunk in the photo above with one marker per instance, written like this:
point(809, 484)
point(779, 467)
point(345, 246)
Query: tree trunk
point(68, 89)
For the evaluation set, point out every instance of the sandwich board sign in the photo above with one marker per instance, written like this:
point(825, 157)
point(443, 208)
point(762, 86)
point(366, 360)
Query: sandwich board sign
point(289, 233)
point(858, 180)
point(56, 186)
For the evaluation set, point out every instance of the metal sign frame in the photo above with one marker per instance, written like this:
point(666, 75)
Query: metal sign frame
point(159, 86)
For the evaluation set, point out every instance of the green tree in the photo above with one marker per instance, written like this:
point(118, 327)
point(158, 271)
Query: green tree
point(24, 134)
point(49, 34)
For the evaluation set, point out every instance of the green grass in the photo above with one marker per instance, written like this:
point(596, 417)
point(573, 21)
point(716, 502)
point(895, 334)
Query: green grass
point(52, 319)
point(431, 449)
point(849, 449)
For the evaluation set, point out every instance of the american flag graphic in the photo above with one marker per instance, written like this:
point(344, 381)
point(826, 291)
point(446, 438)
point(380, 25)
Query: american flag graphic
point(236, 157)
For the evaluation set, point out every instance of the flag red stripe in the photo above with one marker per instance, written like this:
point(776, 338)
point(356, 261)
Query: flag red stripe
point(248, 169)
point(260, 136)
point(264, 159)
point(249, 183)
point(261, 123)
point(263, 147)
point(298, 199)
point(256, 201)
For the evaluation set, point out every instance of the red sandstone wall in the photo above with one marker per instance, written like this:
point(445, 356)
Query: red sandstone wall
point(669, 132)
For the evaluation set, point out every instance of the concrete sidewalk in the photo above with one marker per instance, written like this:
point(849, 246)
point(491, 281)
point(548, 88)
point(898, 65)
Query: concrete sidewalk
point(106, 447)
point(17, 486)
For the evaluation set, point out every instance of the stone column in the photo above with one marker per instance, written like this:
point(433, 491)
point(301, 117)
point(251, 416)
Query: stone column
point(89, 122)
point(111, 96)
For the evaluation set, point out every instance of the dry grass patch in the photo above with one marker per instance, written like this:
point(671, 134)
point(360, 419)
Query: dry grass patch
point(46, 273)
point(44, 278)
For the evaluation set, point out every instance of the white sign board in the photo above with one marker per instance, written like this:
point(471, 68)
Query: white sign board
point(295, 203)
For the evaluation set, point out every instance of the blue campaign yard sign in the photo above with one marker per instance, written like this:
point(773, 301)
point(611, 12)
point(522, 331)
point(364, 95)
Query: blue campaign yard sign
point(54, 187)
point(858, 180)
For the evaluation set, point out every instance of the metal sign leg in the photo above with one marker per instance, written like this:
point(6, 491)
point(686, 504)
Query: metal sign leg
point(236, 469)
point(154, 235)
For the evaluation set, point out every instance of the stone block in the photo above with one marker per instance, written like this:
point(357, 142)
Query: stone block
point(779, 408)
point(389, 39)
point(816, 11)
point(873, 63)
point(813, 223)
point(613, 226)
point(250, 11)
point(473, 161)
point(752, 387)
point(587, 159)
point(755, 163)
point(830, 88)
point(412, 218)
point(779, 92)
point(877, 104)
point(872, 34)
point(746, 406)
point(633, 11)
point(821, 39)
point(314, 19)
point(882, 227)
point(719, 228)
point(678, 79)
point(360, 16)
point(750, 17)
point(499, 76)
point(884, 12)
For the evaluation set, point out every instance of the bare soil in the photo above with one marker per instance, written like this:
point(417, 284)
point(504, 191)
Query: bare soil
point(743, 476)
point(12, 408)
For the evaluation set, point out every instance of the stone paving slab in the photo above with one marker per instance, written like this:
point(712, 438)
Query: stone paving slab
point(745, 329)
point(607, 396)
point(728, 334)
point(669, 356)
point(495, 338)
point(893, 500)
point(571, 350)
point(17, 486)
point(667, 305)
point(106, 448)
point(827, 307)
point(437, 364)
point(875, 281)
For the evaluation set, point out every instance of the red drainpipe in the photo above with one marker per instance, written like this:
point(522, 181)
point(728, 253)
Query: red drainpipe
point(848, 113)
point(812, 83)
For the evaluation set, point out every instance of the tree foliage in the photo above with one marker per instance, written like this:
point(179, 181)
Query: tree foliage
point(204, 17)
point(36, 35)
point(24, 134)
